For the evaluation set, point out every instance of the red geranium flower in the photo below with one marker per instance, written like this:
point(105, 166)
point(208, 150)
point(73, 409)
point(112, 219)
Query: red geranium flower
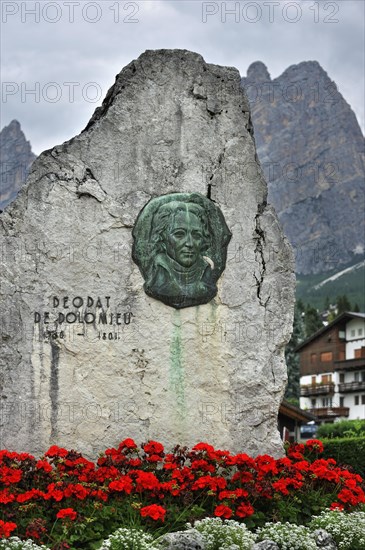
point(153, 448)
point(9, 475)
point(124, 483)
point(209, 449)
point(44, 465)
point(128, 444)
point(244, 510)
point(223, 511)
point(153, 511)
point(78, 490)
point(54, 492)
point(314, 445)
point(146, 480)
point(154, 458)
point(6, 497)
point(6, 527)
point(56, 451)
point(67, 513)
point(28, 495)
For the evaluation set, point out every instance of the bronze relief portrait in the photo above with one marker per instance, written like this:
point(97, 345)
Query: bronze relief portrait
point(180, 245)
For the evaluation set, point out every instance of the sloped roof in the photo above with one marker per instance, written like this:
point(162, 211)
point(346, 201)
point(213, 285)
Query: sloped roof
point(344, 317)
point(287, 409)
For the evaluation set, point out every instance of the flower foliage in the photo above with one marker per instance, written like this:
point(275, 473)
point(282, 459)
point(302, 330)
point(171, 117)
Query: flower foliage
point(128, 539)
point(347, 530)
point(288, 536)
point(224, 535)
point(15, 543)
point(64, 498)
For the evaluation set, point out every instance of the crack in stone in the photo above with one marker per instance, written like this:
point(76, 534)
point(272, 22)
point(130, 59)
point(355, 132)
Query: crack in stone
point(273, 374)
point(218, 167)
point(259, 249)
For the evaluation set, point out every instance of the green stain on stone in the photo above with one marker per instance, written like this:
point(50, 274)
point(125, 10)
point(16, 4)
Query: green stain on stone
point(177, 375)
point(213, 311)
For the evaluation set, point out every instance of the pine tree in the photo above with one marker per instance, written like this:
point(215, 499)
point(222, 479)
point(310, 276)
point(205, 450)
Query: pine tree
point(343, 304)
point(292, 391)
point(312, 321)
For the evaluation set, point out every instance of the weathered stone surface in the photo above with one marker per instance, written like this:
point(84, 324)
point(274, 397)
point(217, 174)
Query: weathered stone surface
point(213, 372)
point(16, 158)
point(183, 540)
point(311, 149)
point(324, 540)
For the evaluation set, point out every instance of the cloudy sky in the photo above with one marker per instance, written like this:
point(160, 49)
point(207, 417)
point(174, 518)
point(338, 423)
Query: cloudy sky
point(60, 58)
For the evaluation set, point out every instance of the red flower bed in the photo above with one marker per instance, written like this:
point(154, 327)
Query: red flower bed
point(50, 499)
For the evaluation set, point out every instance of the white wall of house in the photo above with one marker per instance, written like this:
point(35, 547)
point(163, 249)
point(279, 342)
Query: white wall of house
point(307, 379)
point(312, 401)
point(355, 336)
point(356, 411)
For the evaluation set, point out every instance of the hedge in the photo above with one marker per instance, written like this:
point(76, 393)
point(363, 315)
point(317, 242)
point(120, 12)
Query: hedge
point(349, 451)
point(344, 428)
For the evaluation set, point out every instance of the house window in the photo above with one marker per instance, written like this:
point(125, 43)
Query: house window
point(352, 333)
point(326, 378)
point(326, 356)
point(313, 402)
point(342, 401)
point(363, 400)
point(327, 402)
point(363, 376)
point(357, 353)
point(356, 376)
point(314, 378)
point(313, 357)
point(359, 331)
point(342, 378)
point(357, 400)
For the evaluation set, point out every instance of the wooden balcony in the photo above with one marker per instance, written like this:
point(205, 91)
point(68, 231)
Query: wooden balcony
point(351, 386)
point(318, 389)
point(327, 413)
point(350, 364)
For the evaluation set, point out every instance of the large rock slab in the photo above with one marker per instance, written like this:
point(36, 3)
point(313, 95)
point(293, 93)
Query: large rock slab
point(88, 357)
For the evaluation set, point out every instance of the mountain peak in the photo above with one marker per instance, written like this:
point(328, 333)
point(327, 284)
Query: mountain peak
point(14, 124)
point(16, 158)
point(258, 72)
point(309, 69)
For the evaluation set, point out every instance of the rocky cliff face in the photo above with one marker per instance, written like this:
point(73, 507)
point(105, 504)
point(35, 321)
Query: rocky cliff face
point(16, 158)
point(311, 149)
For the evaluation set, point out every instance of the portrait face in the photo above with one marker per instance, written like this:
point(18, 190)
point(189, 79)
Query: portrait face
point(180, 246)
point(184, 239)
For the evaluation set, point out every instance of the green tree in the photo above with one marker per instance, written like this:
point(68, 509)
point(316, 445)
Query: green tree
point(312, 321)
point(292, 391)
point(343, 304)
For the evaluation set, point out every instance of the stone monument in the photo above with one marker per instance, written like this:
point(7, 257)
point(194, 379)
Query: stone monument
point(147, 288)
